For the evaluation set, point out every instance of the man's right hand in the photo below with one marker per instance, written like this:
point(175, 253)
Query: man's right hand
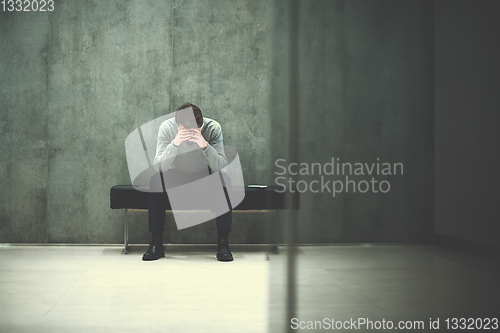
point(182, 135)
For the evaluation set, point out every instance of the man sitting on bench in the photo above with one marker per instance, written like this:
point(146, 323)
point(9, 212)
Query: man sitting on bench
point(181, 161)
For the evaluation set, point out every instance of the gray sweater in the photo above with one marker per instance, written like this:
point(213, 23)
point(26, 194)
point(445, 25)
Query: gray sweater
point(190, 157)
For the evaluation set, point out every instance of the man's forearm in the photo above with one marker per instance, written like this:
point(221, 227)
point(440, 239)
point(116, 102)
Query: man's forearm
point(167, 156)
point(215, 156)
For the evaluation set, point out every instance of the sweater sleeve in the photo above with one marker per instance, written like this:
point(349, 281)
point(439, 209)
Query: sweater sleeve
point(165, 149)
point(214, 151)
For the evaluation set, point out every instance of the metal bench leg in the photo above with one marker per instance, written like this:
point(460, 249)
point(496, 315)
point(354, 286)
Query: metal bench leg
point(275, 229)
point(125, 231)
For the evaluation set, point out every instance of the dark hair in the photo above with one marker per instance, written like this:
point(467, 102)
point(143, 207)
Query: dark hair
point(185, 119)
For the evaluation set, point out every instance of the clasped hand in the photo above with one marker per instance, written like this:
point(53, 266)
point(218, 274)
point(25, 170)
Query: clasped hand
point(190, 135)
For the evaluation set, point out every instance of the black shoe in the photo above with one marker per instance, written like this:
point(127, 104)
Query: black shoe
point(223, 251)
point(155, 251)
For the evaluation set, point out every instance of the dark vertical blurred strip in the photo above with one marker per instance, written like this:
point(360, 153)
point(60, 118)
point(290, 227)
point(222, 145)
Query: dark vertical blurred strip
point(292, 155)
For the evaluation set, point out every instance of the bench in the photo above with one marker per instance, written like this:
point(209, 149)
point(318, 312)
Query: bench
point(256, 200)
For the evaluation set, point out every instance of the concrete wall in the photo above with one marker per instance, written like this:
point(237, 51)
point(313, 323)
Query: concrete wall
point(366, 91)
point(76, 81)
point(467, 136)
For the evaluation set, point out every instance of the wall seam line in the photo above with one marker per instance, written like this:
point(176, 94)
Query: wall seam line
point(172, 73)
point(47, 143)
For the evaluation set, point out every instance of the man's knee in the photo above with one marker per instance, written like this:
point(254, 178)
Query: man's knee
point(155, 183)
point(227, 181)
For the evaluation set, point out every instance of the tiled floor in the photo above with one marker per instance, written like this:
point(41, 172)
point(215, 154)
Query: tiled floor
point(391, 282)
point(99, 289)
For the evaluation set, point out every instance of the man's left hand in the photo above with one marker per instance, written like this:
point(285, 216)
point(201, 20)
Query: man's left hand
point(198, 138)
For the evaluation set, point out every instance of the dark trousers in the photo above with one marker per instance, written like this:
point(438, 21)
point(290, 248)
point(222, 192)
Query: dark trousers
point(157, 200)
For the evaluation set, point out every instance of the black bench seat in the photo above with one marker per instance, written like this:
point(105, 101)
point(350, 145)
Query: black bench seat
point(256, 199)
point(127, 197)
